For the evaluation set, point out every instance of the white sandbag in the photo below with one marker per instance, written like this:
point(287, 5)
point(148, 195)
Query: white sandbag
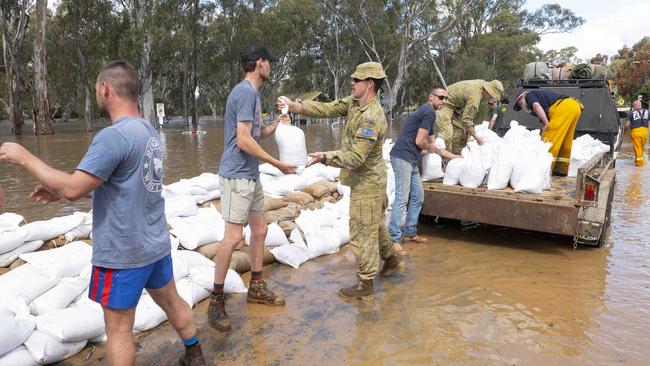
point(342, 227)
point(531, 170)
point(204, 277)
point(14, 331)
point(205, 227)
point(390, 185)
point(20, 356)
point(10, 221)
point(66, 261)
point(59, 296)
point(283, 185)
point(269, 169)
point(148, 314)
point(25, 280)
point(49, 229)
point(292, 254)
point(175, 243)
point(46, 349)
point(181, 206)
point(207, 181)
point(313, 220)
point(184, 260)
point(291, 144)
point(72, 324)
point(191, 292)
point(583, 149)
point(12, 238)
point(473, 171)
point(323, 171)
point(211, 195)
point(28, 247)
point(486, 133)
point(453, 171)
point(79, 233)
point(503, 162)
point(432, 167)
point(322, 242)
point(274, 235)
point(386, 148)
point(184, 187)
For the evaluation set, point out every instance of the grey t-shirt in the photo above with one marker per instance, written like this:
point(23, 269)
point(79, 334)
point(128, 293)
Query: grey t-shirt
point(129, 224)
point(244, 104)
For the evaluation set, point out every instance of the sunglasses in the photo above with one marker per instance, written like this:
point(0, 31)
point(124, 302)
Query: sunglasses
point(441, 97)
point(358, 80)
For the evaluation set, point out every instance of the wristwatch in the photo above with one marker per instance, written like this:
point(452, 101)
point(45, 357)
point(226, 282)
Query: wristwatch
point(324, 160)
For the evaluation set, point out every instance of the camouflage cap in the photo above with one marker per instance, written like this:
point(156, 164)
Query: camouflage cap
point(494, 88)
point(367, 70)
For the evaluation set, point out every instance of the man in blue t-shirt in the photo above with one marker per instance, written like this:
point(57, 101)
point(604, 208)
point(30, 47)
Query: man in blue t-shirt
point(242, 197)
point(123, 169)
point(417, 135)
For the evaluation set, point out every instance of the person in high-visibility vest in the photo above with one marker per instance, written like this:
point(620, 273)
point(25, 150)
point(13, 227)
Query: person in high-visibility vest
point(559, 116)
point(638, 118)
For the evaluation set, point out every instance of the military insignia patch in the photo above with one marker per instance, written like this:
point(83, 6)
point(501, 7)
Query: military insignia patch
point(367, 132)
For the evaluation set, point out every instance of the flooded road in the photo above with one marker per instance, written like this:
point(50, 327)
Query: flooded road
point(471, 296)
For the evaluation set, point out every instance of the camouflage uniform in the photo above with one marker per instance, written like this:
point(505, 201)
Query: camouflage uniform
point(455, 122)
point(362, 169)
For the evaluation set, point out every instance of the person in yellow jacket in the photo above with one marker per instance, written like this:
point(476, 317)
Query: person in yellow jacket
point(559, 116)
point(362, 169)
point(455, 122)
point(638, 118)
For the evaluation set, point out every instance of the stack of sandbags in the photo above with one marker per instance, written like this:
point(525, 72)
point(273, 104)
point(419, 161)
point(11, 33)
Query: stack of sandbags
point(200, 189)
point(207, 226)
point(583, 149)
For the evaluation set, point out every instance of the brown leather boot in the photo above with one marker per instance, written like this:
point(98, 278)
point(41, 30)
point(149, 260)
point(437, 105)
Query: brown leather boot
point(259, 293)
point(193, 357)
point(394, 263)
point(415, 239)
point(364, 290)
point(217, 317)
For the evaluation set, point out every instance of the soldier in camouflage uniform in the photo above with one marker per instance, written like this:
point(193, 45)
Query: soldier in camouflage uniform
point(455, 122)
point(363, 170)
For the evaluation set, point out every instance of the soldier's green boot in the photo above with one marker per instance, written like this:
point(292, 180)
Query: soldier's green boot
point(364, 290)
point(394, 263)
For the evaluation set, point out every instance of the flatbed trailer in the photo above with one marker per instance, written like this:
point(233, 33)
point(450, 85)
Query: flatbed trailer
point(579, 207)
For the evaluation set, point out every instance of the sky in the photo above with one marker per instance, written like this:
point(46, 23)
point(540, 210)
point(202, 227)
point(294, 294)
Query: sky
point(608, 25)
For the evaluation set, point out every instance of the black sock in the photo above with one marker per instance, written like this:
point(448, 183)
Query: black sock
point(218, 289)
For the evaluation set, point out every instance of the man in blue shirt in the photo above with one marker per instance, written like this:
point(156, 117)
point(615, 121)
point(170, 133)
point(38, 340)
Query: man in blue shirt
point(416, 135)
point(123, 169)
point(242, 196)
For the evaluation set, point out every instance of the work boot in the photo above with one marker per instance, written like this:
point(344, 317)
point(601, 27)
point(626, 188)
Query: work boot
point(259, 293)
point(364, 290)
point(415, 239)
point(193, 357)
point(399, 250)
point(394, 263)
point(217, 317)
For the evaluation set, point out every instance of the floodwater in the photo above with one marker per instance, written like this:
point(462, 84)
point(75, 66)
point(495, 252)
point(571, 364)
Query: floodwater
point(471, 296)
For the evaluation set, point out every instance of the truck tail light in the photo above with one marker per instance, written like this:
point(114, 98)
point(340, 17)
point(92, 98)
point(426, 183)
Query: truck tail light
point(590, 192)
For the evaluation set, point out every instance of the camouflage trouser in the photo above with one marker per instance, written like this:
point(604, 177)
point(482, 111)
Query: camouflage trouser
point(443, 127)
point(368, 233)
point(459, 138)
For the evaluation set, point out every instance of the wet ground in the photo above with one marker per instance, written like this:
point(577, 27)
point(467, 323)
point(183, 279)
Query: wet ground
point(471, 296)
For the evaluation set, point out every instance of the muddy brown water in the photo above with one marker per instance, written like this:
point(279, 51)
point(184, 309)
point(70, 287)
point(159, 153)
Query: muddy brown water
point(471, 296)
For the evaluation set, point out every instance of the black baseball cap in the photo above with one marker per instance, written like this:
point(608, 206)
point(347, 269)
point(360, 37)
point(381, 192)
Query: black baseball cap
point(255, 51)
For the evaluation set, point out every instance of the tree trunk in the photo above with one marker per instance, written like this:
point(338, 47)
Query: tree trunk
point(42, 118)
point(13, 26)
point(184, 92)
point(141, 8)
point(88, 108)
point(195, 20)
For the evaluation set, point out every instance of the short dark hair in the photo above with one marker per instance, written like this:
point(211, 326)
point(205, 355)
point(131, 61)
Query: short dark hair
point(249, 66)
point(437, 87)
point(121, 75)
point(378, 84)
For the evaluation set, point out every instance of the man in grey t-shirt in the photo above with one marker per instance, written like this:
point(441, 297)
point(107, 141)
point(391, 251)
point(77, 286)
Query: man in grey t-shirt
point(123, 168)
point(242, 197)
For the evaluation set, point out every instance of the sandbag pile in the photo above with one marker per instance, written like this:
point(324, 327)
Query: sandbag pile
point(46, 315)
point(199, 189)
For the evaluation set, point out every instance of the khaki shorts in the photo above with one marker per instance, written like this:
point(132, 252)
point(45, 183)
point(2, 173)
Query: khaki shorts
point(239, 197)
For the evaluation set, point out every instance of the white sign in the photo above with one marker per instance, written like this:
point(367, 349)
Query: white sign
point(160, 109)
point(640, 97)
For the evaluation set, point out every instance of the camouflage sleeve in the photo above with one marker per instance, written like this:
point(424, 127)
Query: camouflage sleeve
point(470, 111)
point(356, 154)
point(336, 108)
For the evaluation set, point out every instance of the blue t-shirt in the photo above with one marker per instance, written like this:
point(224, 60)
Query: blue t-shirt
point(545, 98)
point(244, 104)
point(129, 224)
point(405, 147)
point(638, 118)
